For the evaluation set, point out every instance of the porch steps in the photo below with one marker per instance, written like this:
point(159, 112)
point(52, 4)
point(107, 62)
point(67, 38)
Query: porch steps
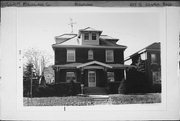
point(95, 91)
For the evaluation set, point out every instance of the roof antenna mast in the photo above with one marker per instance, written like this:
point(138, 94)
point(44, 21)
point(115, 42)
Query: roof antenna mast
point(71, 24)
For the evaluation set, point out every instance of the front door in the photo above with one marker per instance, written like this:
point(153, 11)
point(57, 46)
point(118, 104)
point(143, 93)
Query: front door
point(91, 78)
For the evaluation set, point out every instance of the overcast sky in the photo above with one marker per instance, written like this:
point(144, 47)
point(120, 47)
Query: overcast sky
point(135, 29)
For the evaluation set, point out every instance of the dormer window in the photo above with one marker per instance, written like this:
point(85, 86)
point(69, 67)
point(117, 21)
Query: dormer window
point(90, 55)
point(93, 36)
point(86, 36)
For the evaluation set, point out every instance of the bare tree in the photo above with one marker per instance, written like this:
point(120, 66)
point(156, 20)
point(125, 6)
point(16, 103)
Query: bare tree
point(39, 58)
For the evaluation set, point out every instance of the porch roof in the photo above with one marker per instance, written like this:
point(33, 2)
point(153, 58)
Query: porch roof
point(94, 62)
point(66, 66)
point(121, 66)
point(88, 64)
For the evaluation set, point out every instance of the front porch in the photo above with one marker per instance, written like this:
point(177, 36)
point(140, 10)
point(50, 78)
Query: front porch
point(94, 76)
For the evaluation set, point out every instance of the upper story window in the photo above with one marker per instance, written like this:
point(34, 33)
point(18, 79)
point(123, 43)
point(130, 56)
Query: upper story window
point(90, 55)
point(109, 56)
point(71, 55)
point(86, 36)
point(93, 36)
point(143, 56)
point(153, 58)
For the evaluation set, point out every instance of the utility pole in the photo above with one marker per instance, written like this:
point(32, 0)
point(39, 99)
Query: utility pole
point(31, 77)
point(71, 24)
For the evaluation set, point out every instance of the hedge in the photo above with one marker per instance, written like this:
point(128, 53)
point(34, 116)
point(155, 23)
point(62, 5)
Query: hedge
point(60, 89)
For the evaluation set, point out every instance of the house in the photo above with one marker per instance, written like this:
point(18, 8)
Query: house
point(148, 60)
point(49, 74)
point(89, 58)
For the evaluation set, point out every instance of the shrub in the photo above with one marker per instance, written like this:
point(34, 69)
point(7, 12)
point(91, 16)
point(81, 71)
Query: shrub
point(136, 82)
point(113, 87)
point(156, 88)
point(60, 89)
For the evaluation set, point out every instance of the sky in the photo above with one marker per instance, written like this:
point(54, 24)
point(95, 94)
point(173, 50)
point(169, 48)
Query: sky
point(135, 29)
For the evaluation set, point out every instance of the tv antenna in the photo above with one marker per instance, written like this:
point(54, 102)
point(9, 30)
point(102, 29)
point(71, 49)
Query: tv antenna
point(71, 24)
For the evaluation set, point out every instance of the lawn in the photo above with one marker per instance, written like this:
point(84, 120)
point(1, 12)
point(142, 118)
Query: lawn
point(113, 99)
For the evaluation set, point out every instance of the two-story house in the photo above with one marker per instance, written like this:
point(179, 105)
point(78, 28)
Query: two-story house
point(151, 58)
point(89, 58)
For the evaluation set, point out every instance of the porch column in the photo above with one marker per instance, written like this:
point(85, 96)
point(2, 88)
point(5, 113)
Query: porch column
point(125, 73)
point(105, 76)
point(57, 69)
point(82, 75)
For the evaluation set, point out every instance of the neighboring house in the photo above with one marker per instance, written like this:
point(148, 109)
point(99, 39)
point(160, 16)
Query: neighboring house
point(49, 74)
point(89, 58)
point(150, 56)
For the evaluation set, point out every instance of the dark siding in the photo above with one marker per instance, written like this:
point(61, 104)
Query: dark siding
point(119, 56)
point(150, 80)
point(100, 78)
point(119, 74)
point(82, 55)
point(60, 76)
point(60, 56)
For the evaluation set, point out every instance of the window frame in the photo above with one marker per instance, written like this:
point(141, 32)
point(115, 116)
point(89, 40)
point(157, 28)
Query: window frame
point(113, 76)
point(85, 36)
point(90, 53)
point(112, 60)
point(74, 54)
point(94, 36)
point(154, 60)
point(70, 77)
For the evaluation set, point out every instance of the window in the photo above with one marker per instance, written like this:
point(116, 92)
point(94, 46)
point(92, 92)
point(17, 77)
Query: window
point(70, 55)
point(110, 76)
point(153, 58)
point(93, 36)
point(86, 36)
point(70, 76)
point(144, 56)
point(90, 55)
point(109, 56)
point(156, 76)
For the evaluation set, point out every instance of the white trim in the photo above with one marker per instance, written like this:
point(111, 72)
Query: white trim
point(88, 46)
point(94, 62)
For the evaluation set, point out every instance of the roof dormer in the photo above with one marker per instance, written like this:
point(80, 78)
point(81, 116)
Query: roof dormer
point(89, 36)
